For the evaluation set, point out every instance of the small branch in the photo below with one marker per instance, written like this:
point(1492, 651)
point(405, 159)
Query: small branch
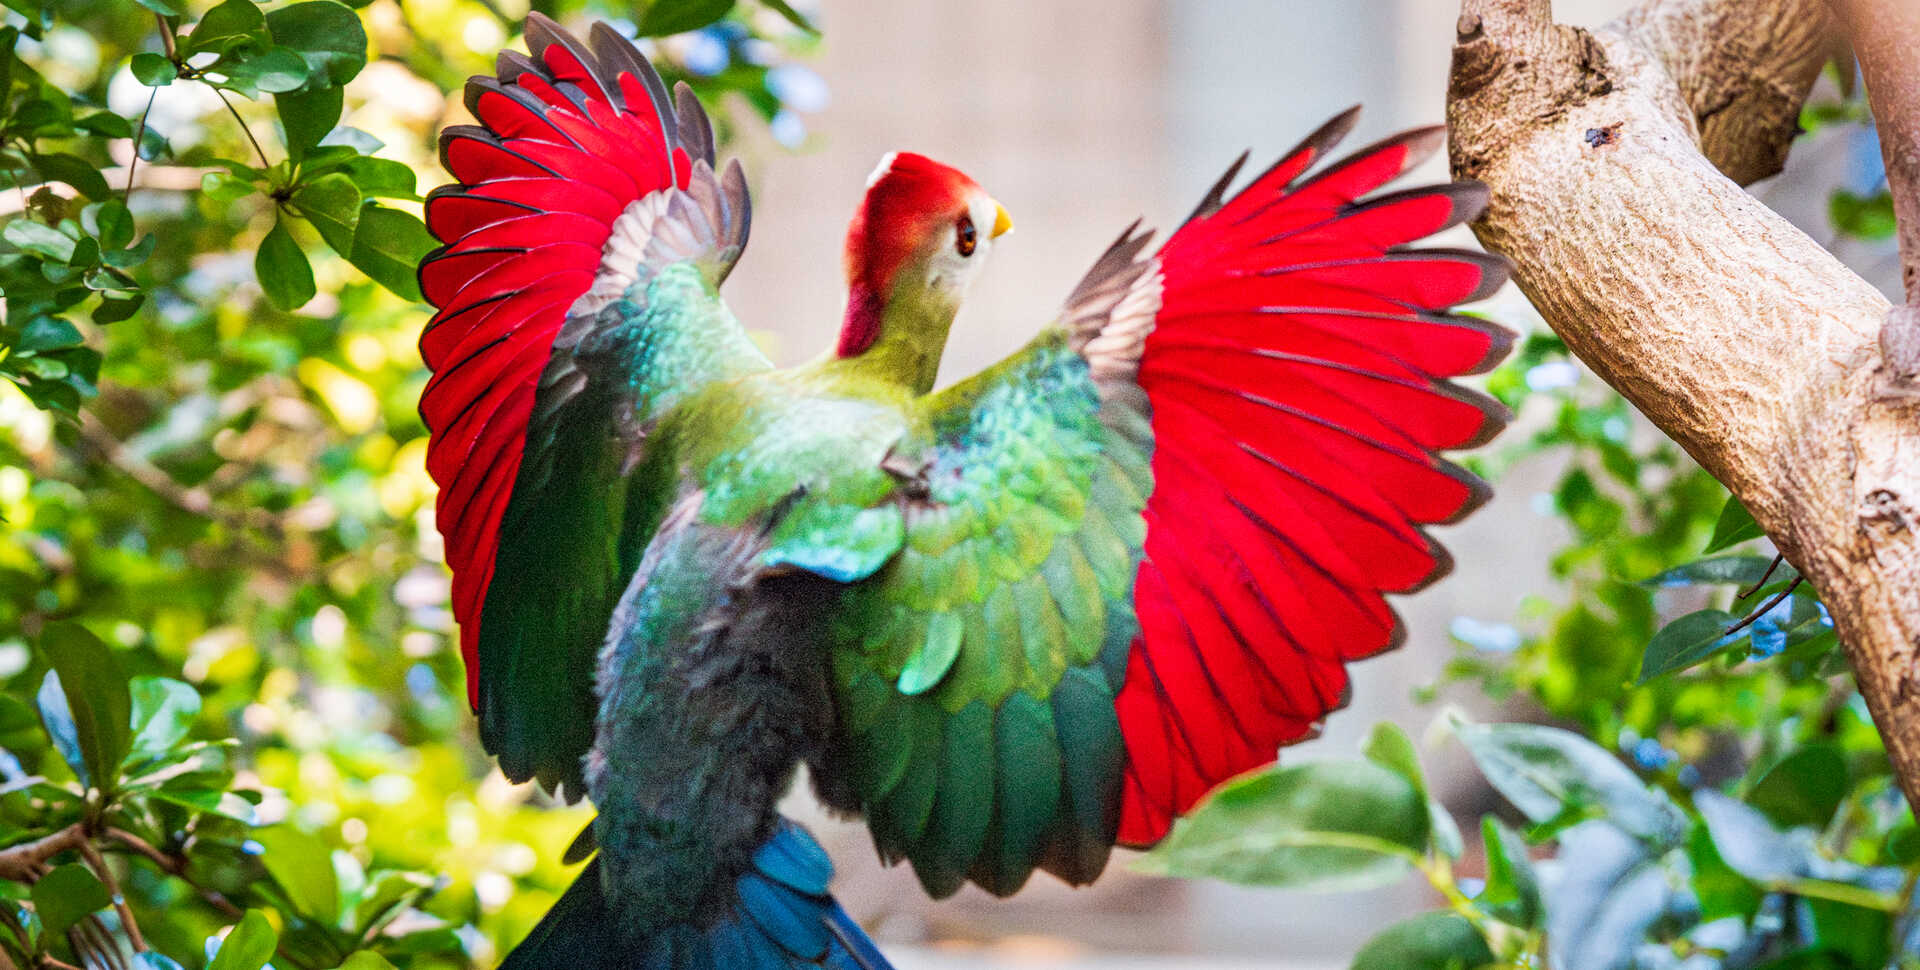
point(107, 878)
point(167, 40)
point(1885, 36)
point(1762, 581)
point(195, 501)
point(173, 865)
point(1764, 608)
point(23, 862)
point(1886, 39)
point(139, 135)
point(242, 122)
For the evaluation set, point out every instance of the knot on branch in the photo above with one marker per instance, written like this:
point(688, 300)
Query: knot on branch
point(1510, 73)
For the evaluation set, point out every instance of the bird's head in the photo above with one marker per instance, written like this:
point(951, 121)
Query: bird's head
point(920, 235)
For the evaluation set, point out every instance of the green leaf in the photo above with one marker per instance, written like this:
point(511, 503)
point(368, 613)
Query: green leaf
point(221, 187)
point(1722, 571)
point(1512, 892)
point(1804, 788)
point(113, 223)
point(307, 117)
point(282, 269)
point(678, 16)
point(1750, 844)
point(1687, 641)
point(1551, 775)
point(382, 178)
point(1862, 216)
point(794, 17)
point(228, 21)
point(39, 239)
point(116, 309)
point(86, 694)
point(327, 35)
point(248, 946)
point(332, 203)
point(166, 8)
point(106, 124)
point(303, 868)
point(367, 960)
point(153, 70)
point(74, 171)
point(276, 70)
point(163, 711)
point(1734, 526)
point(388, 248)
point(1430, 941)
point(155, 960)
point(48, 333)
point(1390, 748)
point(1324, 825)
point(66, 895)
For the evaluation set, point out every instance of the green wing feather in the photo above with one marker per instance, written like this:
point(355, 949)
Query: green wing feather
point(590, 491)
point(976, 671)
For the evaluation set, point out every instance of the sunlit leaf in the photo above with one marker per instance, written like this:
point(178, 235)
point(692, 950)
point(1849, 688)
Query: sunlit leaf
point(388, 248)
point(1734, 526)
point(153, 70)
point(678, 16)
point(1322, 825)
point(85, 698)
point(327, 35)
point(248, 946)
point(282, 269)
point(303, 868)
point(332, 203)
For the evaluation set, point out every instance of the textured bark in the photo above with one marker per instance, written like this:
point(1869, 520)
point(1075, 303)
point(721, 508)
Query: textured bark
point(1615, 159)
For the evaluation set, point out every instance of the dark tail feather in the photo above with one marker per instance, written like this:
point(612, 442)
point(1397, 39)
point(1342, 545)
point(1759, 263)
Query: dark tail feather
point(782, 919)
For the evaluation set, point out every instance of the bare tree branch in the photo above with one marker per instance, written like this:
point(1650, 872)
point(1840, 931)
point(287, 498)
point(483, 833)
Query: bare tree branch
point(1613, 157)
point(1886, 39)
point(23, 862)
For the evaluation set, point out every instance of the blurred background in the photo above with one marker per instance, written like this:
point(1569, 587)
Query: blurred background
point(244, 505)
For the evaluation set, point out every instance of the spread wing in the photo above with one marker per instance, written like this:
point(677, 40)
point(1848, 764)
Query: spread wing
point(1150, 542)
point(577, 296)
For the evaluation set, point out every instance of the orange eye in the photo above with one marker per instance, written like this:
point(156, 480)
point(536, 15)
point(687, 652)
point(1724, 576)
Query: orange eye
point(964, 238)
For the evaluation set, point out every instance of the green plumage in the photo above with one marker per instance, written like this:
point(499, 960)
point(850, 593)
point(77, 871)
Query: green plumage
point(981, 543)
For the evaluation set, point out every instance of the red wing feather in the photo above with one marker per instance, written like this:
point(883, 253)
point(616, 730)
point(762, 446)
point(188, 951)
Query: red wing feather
point(1297, 375)
point(566, 142)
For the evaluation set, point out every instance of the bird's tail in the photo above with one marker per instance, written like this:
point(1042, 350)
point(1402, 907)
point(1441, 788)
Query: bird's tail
point(781, 918)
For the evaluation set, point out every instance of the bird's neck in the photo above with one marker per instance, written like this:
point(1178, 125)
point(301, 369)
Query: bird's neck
point(906, 332)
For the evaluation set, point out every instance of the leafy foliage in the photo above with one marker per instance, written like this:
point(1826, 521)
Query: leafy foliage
point(227, 682)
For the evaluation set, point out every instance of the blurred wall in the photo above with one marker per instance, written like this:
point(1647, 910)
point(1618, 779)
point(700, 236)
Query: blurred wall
point(1080, 115)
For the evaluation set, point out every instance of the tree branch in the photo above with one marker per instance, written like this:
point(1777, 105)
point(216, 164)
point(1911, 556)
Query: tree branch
point(1885, 35)
point(21, 863)
point(1613, 157)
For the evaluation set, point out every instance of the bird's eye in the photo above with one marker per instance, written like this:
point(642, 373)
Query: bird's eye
point(964, 238)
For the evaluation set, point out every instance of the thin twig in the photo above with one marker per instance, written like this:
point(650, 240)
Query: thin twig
point(1762, 581)
point(174, 865)
point(105, 872)
point(188, 499)
point(1764, 608)
point(139, 135)
point(166, 38)
point(222, 95)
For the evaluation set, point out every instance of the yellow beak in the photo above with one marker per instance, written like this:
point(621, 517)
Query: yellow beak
point(1002, 223)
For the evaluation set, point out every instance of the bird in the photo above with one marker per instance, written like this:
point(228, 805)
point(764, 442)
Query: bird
point(1011, 622)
